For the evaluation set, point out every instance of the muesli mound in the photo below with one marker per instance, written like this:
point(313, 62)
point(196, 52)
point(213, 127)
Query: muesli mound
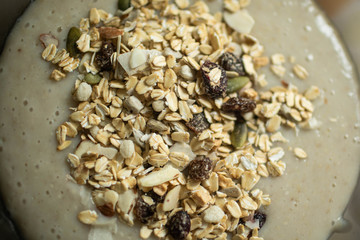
point(175, 128)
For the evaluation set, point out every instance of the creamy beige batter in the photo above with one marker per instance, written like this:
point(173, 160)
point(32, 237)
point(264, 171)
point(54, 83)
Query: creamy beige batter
point(306, 201)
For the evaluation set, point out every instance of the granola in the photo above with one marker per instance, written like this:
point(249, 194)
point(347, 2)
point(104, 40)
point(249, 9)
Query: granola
point(175, 128)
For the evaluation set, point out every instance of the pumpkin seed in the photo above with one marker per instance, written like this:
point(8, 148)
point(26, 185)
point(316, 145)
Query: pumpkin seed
point(239, 135)
point(235, 84)
point(71, 46)
point(123, 4)
point(92, 79)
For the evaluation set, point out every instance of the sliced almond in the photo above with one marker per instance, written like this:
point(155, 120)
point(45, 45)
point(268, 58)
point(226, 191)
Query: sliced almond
point(158, 177)
point(172, 199)
point(240, 21)
point(138, 58)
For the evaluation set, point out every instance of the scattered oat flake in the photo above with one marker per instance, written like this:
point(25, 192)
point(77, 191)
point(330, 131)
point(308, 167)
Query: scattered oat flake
point(87, 216)
point(300, 72)
point(300, 153)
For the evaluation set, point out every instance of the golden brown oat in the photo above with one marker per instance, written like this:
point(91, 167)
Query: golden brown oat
point(87, 216)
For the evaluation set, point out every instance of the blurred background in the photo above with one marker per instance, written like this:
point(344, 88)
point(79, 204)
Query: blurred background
point(345, 14)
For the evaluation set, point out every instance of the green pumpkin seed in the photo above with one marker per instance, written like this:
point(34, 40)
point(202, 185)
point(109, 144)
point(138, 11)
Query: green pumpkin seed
point(239, 135)
point(71, 46)
point(235, 84)
point(92, 79)
point(123, 4)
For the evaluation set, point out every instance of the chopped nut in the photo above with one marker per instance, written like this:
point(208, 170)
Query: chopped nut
point(201, 196)
point(187, 73)
point(180, 137)
point(83, 92)
point(213, 214)
point(133, 104)
point(127, 148)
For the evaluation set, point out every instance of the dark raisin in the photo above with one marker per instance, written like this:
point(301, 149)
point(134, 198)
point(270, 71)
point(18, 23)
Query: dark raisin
point(179, 225)
point(241, 221)
point(155, 197)
point(236, 104)
point(143, 211)
point(200, 168)
point(215, 80)
point(232, 63)
point(103, 57)
point(261, 217)
point(198, 123)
